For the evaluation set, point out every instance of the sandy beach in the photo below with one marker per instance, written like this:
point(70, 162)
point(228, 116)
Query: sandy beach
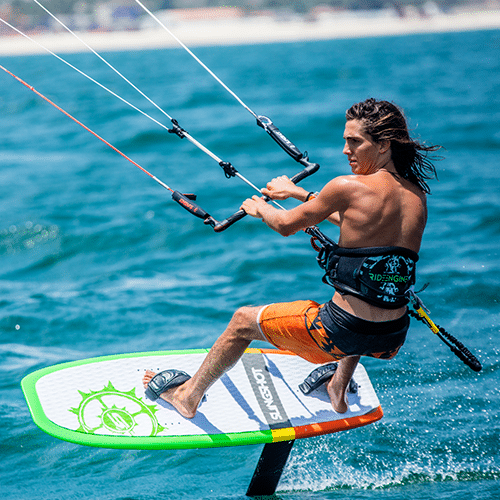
point(248, 30)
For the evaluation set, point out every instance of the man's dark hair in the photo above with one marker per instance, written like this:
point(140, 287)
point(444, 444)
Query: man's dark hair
point(384, 121)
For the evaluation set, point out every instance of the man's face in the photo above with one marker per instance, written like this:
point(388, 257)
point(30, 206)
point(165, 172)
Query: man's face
point(363, 153)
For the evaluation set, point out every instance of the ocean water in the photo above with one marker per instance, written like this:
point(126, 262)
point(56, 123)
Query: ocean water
point(97, 259)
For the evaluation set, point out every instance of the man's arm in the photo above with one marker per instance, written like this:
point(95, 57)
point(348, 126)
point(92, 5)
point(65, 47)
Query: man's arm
point(282, 188)
point(332, 199)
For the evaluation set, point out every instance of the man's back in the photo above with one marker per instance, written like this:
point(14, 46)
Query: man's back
point(383, 210)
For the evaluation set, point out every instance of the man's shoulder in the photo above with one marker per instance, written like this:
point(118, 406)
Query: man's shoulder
point(347, 183)
point(345, 179)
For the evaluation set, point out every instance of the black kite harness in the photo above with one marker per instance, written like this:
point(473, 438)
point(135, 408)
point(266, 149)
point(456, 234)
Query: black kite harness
point(381, 276)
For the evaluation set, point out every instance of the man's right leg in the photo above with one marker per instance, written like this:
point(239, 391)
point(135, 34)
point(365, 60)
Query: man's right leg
point(223, 355)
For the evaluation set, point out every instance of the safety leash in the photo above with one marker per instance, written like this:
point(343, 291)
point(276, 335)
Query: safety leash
point(421, 314)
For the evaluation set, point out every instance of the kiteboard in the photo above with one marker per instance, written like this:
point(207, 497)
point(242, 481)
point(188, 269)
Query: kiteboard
point(101, 402)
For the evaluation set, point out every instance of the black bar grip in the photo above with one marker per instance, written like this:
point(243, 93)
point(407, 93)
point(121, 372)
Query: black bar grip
point(187, 203)
point(223, 225)
point(277, 135)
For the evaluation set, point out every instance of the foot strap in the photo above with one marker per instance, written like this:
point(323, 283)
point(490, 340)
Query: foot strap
point(321, 375)
point(163, 381)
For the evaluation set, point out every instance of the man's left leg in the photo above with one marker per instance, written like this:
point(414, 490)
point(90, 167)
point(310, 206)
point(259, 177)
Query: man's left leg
point(227, 350)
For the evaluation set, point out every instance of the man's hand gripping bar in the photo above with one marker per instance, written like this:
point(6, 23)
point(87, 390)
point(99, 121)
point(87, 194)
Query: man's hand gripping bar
point(223, 225)
point(187, 202)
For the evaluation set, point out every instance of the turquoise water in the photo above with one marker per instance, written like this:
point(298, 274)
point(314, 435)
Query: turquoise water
point(97, 259)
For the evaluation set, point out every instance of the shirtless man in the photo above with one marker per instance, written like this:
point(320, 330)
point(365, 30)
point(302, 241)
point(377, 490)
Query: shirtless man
point(382, 204)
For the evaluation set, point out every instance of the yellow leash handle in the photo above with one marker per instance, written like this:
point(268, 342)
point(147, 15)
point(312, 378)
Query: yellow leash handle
point(428, 321)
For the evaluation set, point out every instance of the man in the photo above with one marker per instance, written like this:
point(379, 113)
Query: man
point(381, 208)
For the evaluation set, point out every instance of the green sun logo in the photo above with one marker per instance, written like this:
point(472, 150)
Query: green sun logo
point(110, 411)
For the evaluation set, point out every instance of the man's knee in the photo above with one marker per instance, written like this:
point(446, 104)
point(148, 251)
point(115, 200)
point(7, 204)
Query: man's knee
point(244, 323)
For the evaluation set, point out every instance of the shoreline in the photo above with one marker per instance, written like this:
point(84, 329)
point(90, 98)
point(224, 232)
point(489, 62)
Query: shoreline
point(249, 31)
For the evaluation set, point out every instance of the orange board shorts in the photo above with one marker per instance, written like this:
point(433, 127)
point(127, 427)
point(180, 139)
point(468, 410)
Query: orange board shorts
point(325, 333)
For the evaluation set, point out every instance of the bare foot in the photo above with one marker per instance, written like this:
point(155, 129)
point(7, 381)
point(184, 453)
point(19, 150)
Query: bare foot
point(175, 396)
point(339, 383)
point(338, 397)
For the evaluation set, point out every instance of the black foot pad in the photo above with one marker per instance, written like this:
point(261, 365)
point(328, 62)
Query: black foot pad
point(321, 375)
